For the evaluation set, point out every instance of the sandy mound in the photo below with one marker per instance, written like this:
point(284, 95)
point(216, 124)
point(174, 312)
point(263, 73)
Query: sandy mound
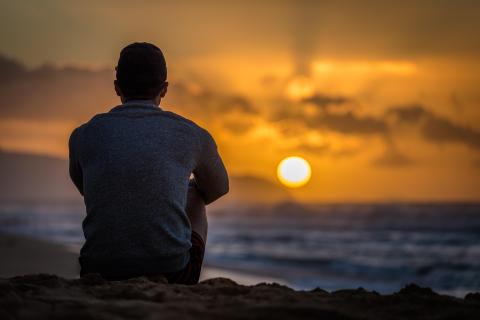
point(44, 296)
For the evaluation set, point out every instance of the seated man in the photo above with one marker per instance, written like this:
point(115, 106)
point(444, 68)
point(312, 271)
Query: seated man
point(133, 165)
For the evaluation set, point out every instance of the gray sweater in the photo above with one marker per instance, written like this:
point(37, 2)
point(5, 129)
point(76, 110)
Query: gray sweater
point(133, 166)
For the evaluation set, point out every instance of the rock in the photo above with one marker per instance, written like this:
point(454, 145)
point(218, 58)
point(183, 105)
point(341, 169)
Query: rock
point(473, 297)
point(413, 289)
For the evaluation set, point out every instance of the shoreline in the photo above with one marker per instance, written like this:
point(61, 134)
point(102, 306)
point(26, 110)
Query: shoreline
point(27, 255)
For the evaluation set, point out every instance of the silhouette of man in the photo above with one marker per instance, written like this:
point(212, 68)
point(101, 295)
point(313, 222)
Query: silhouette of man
point(133, 165)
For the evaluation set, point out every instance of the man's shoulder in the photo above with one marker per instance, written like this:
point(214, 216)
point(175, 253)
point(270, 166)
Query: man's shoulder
point(75, 136)
point(177, 117)
point(94, 121)
point(79, 131)
point(181, 119)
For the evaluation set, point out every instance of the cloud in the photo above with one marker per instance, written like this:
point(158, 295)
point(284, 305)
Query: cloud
point(392, 158)
point(345, 122)
point(53, 93)
point(202, 102)
point(350, 123)
point(10, 69)
point(326, 150)
point(345, 153)
point(314, 148)
point(239, 126)
point(322, 101)
point(435, 128)
point(235, 102)
point(441, 130)
point(408, 113)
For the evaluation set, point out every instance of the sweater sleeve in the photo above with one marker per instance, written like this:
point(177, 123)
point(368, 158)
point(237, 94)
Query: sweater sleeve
point(211, 177)
point(75, 170)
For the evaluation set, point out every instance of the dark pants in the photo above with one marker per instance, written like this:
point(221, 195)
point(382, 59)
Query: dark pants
point(191, 273)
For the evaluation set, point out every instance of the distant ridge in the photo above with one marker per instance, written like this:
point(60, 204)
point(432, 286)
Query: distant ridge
point(30, 177)
point(42, 178)
point(249, 189)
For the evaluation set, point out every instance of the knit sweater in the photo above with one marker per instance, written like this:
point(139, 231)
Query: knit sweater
point(133, 166)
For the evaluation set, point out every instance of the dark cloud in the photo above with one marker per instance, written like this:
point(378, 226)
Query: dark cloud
point(441, 130)
point(233, 102)
point(435, 128)
point(322, 101)
point(10, 70)
point(326, 150)
point(409, 113)
point(345, 153)
point(205, 103)
point(350, 123)
point(314, 149)
point(238, 126)
point(392, 158)
point(53, 93)
point(342, 122)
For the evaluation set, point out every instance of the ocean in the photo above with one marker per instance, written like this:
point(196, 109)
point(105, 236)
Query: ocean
point(379, 247)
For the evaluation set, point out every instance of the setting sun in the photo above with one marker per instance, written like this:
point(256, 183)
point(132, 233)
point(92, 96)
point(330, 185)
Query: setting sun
point(294, 172)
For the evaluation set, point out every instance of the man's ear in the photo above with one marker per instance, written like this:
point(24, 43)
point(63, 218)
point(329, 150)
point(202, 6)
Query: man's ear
point(117, 88)
point(164, 90)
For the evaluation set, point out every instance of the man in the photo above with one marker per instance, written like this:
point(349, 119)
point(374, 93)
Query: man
point(133, 165)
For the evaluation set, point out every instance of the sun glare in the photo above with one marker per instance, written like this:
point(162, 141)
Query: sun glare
point(294, 172)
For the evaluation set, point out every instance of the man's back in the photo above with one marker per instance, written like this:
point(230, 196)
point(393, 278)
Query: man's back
point(133, 166)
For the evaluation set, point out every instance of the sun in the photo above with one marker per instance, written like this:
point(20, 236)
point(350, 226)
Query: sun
point(294, 172)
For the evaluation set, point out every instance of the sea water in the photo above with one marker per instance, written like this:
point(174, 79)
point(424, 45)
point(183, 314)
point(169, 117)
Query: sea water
point(379, 247)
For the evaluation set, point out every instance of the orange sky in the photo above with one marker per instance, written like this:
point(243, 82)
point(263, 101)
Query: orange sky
point(381, 98)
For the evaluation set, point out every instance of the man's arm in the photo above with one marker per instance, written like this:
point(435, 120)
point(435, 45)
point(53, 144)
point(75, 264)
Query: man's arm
point(211, 177)
point(75, 170)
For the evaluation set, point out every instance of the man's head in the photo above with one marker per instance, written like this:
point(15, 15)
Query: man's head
point(141, 73)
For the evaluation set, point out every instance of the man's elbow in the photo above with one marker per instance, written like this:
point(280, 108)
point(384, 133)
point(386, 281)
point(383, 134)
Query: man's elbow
point(76, 180)
point(219, 192)
point(79, 187)
point(225, 189)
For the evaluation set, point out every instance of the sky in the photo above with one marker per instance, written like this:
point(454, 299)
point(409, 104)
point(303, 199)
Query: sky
point(381, 97)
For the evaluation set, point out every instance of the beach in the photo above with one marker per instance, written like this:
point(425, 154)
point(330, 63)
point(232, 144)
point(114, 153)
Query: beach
point(26, 255)
point(377, 247)
point(39, 280)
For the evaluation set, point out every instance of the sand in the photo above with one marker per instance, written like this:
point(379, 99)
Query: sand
point(24, 255)
point(42, 292)
point(51, 297)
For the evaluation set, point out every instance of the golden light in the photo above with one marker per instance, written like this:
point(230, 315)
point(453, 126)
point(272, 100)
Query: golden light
point(294, 172)
point(398, 68)
point(299, 88)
